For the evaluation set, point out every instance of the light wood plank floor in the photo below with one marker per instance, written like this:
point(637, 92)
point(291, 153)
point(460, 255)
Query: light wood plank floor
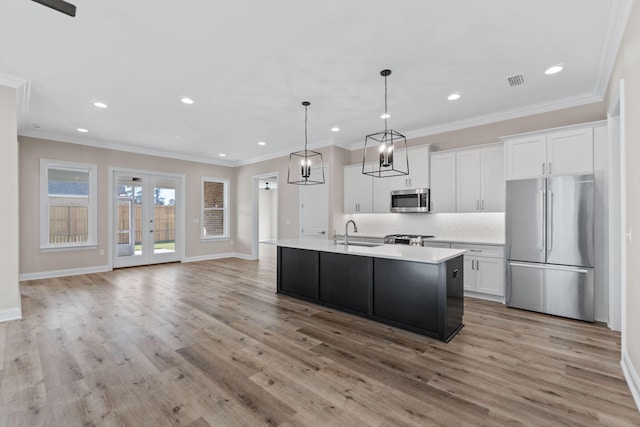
point(212, 344)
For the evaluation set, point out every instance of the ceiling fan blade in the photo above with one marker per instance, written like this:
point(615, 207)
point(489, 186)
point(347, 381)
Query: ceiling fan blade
point(59, 5)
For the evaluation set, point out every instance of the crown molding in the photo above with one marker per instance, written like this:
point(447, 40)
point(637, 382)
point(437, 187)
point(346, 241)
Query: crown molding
point(23, 95)
point(616, 23)
point(284, 153)
point(516, 113)
point(127, 148)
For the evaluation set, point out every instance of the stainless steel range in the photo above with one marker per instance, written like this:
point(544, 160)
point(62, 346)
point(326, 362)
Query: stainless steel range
point(405, 239)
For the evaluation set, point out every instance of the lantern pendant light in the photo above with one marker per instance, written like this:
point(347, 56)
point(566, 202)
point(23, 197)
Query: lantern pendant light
point(389, 162)
point(306, 166)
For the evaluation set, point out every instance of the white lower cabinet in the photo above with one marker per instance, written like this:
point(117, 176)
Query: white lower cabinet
point(483, 270)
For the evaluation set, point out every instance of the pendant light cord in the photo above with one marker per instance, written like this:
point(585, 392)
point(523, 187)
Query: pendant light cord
point(385, 104)
point(305, 130)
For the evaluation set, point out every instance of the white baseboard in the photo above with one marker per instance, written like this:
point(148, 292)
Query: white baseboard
point(10, 314)
point(209, 257)
point(244, 256)
point(67, 272)
point(631, 375)
point(486, 297)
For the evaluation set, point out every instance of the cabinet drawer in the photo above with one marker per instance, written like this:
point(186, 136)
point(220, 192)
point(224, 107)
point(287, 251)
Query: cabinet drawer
point(481, 250)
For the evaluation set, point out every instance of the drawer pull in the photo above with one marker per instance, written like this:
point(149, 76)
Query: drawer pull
point(475, 250)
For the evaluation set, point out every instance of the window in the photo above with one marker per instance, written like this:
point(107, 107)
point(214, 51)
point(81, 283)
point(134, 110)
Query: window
point(215, 208)
point(68, 213)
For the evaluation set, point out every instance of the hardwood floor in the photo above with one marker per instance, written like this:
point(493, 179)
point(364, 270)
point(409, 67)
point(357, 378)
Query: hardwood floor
point(212, 344)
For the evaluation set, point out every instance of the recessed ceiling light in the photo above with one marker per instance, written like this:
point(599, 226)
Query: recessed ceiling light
point(100, 104)
point(187, 100)
point(385, 116)
point(453, 96)
point(262, 143)
point(335, 129)
point(83, 130)
point(553, 70)
point(222, 155)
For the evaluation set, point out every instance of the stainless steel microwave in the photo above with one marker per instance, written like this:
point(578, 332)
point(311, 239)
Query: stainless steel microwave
point(413, 200)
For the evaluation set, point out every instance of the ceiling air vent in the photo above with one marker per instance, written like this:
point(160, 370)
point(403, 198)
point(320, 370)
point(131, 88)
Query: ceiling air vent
point(516, 80)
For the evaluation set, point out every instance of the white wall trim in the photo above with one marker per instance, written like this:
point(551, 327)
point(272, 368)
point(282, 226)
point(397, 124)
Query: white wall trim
point(217, 256)
point(110, 145)
point(65, 272)
point(631, 375)
point(10, 314)
point(23, 94)
point(516, 113)
point(616, 24)
point(255, 210)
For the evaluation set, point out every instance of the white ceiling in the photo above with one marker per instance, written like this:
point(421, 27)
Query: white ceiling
point(249, 64)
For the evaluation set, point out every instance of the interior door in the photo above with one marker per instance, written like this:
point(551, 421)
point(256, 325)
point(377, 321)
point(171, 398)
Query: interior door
point(146, 216)
point(314, 208)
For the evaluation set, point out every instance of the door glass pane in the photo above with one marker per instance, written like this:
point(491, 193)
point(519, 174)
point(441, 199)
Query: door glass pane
point(164, 217)
point(129, 229)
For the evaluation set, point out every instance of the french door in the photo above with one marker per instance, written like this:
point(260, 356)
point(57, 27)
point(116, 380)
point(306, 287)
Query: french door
point(145, 218)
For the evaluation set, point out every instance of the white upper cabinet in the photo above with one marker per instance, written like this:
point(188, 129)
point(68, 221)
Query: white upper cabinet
point(492, 182)
point(526, 157)
point(480, 184)
point(570, 152)
point(418, 167)
point(443, 182)
point(468, 180)
point(358, 190)
point(563, 152)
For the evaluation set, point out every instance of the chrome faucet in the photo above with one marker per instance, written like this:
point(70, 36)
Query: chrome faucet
point(346, 231)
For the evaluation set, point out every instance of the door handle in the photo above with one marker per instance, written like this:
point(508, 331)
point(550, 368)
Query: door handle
point(542, 168)
point(550, 221)
point(477, 265)
point(322, 232)
point(477, 205)
point(544, 223)
point(472, 265)
point(549, 168)
point(482, 204)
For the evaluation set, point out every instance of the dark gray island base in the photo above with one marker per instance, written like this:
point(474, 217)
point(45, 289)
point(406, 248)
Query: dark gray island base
point(425, 298)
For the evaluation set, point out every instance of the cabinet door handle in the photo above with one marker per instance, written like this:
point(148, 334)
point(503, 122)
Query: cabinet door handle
point(477, 205)
point(543, 168)
point(482, 204)
point(549, 168)
point(472, 265)
point(477, 265)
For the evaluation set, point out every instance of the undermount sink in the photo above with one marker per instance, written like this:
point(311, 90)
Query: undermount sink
point(363, 244)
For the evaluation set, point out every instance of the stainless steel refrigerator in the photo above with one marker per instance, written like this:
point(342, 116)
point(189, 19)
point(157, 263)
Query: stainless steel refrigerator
point(549, 245)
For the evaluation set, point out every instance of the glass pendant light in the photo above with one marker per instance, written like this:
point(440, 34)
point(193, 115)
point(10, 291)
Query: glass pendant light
point(306, 166)
point(389, 162)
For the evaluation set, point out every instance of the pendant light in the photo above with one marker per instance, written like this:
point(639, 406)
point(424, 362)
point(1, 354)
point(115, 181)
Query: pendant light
point(305, 167)
point(389, 161)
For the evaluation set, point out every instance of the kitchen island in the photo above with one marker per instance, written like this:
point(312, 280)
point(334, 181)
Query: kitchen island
point(413, 288)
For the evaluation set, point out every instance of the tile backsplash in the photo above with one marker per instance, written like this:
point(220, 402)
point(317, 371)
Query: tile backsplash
point(489, 226)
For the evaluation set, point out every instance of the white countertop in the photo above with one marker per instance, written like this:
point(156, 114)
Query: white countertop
point(471, 241)
point(399, 252)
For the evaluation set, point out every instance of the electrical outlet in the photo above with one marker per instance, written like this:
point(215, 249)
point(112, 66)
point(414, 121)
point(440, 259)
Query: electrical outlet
point(101, 251)
point(288, 221)
point(629, 236)
point(196, 221)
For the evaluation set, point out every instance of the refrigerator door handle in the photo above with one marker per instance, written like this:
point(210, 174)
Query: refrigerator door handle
point(544, 222)
point(549, 267)
point(550, 221)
